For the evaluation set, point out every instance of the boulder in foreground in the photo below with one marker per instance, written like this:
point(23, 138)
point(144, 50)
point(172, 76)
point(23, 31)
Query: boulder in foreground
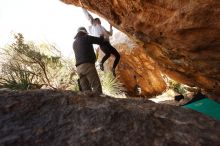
point(58, 118)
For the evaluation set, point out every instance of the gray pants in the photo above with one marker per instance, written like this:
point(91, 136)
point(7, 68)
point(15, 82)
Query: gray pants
point(89, 79)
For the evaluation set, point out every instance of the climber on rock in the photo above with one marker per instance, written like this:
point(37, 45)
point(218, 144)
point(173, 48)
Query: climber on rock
point(97, 30)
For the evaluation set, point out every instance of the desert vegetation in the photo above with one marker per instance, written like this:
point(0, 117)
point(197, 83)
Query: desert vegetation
point(26, 65)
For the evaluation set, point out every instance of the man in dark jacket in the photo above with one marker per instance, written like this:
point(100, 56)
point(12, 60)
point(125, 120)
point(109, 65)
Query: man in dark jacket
point(85, 61)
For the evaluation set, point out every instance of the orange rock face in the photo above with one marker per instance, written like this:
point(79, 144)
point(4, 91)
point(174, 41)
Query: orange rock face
point(137, 68)
point(182, 36)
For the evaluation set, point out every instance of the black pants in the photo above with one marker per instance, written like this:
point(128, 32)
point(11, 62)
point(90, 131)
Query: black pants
point(108, 49)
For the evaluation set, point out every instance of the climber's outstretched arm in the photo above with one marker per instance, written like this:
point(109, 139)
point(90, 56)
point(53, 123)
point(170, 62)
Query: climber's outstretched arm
point(111, 30)
point(110, 33)
point(88, 15)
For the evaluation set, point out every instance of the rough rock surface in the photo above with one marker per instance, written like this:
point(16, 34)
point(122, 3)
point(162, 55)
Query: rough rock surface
point(58, 118)
point(182, 36)
point(135, 68)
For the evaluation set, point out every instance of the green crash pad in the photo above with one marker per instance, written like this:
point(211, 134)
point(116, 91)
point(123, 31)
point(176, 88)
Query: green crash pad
point(206, 106)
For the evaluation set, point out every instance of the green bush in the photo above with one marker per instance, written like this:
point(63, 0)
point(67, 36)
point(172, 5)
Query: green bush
point(177, 87)
point(111, 85)
point(30, 66)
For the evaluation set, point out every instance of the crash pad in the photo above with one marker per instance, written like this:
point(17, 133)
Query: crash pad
point(206, 106)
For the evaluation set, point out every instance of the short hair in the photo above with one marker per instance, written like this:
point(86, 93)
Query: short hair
point(97, 19)
point(82, 29)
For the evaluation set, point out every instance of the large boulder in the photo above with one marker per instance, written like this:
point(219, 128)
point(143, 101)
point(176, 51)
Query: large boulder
point(181, 36)
point(58, 118)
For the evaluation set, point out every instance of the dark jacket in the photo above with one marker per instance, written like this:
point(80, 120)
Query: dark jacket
point(83, 48)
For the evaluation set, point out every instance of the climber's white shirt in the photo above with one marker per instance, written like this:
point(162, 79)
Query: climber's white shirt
point(98, 30)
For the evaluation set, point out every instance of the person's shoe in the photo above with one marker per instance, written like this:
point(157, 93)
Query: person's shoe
point(113, 72)
point(101, 67)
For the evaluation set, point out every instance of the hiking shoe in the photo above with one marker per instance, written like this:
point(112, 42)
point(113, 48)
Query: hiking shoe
point(101, 66)
point(113, 72)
